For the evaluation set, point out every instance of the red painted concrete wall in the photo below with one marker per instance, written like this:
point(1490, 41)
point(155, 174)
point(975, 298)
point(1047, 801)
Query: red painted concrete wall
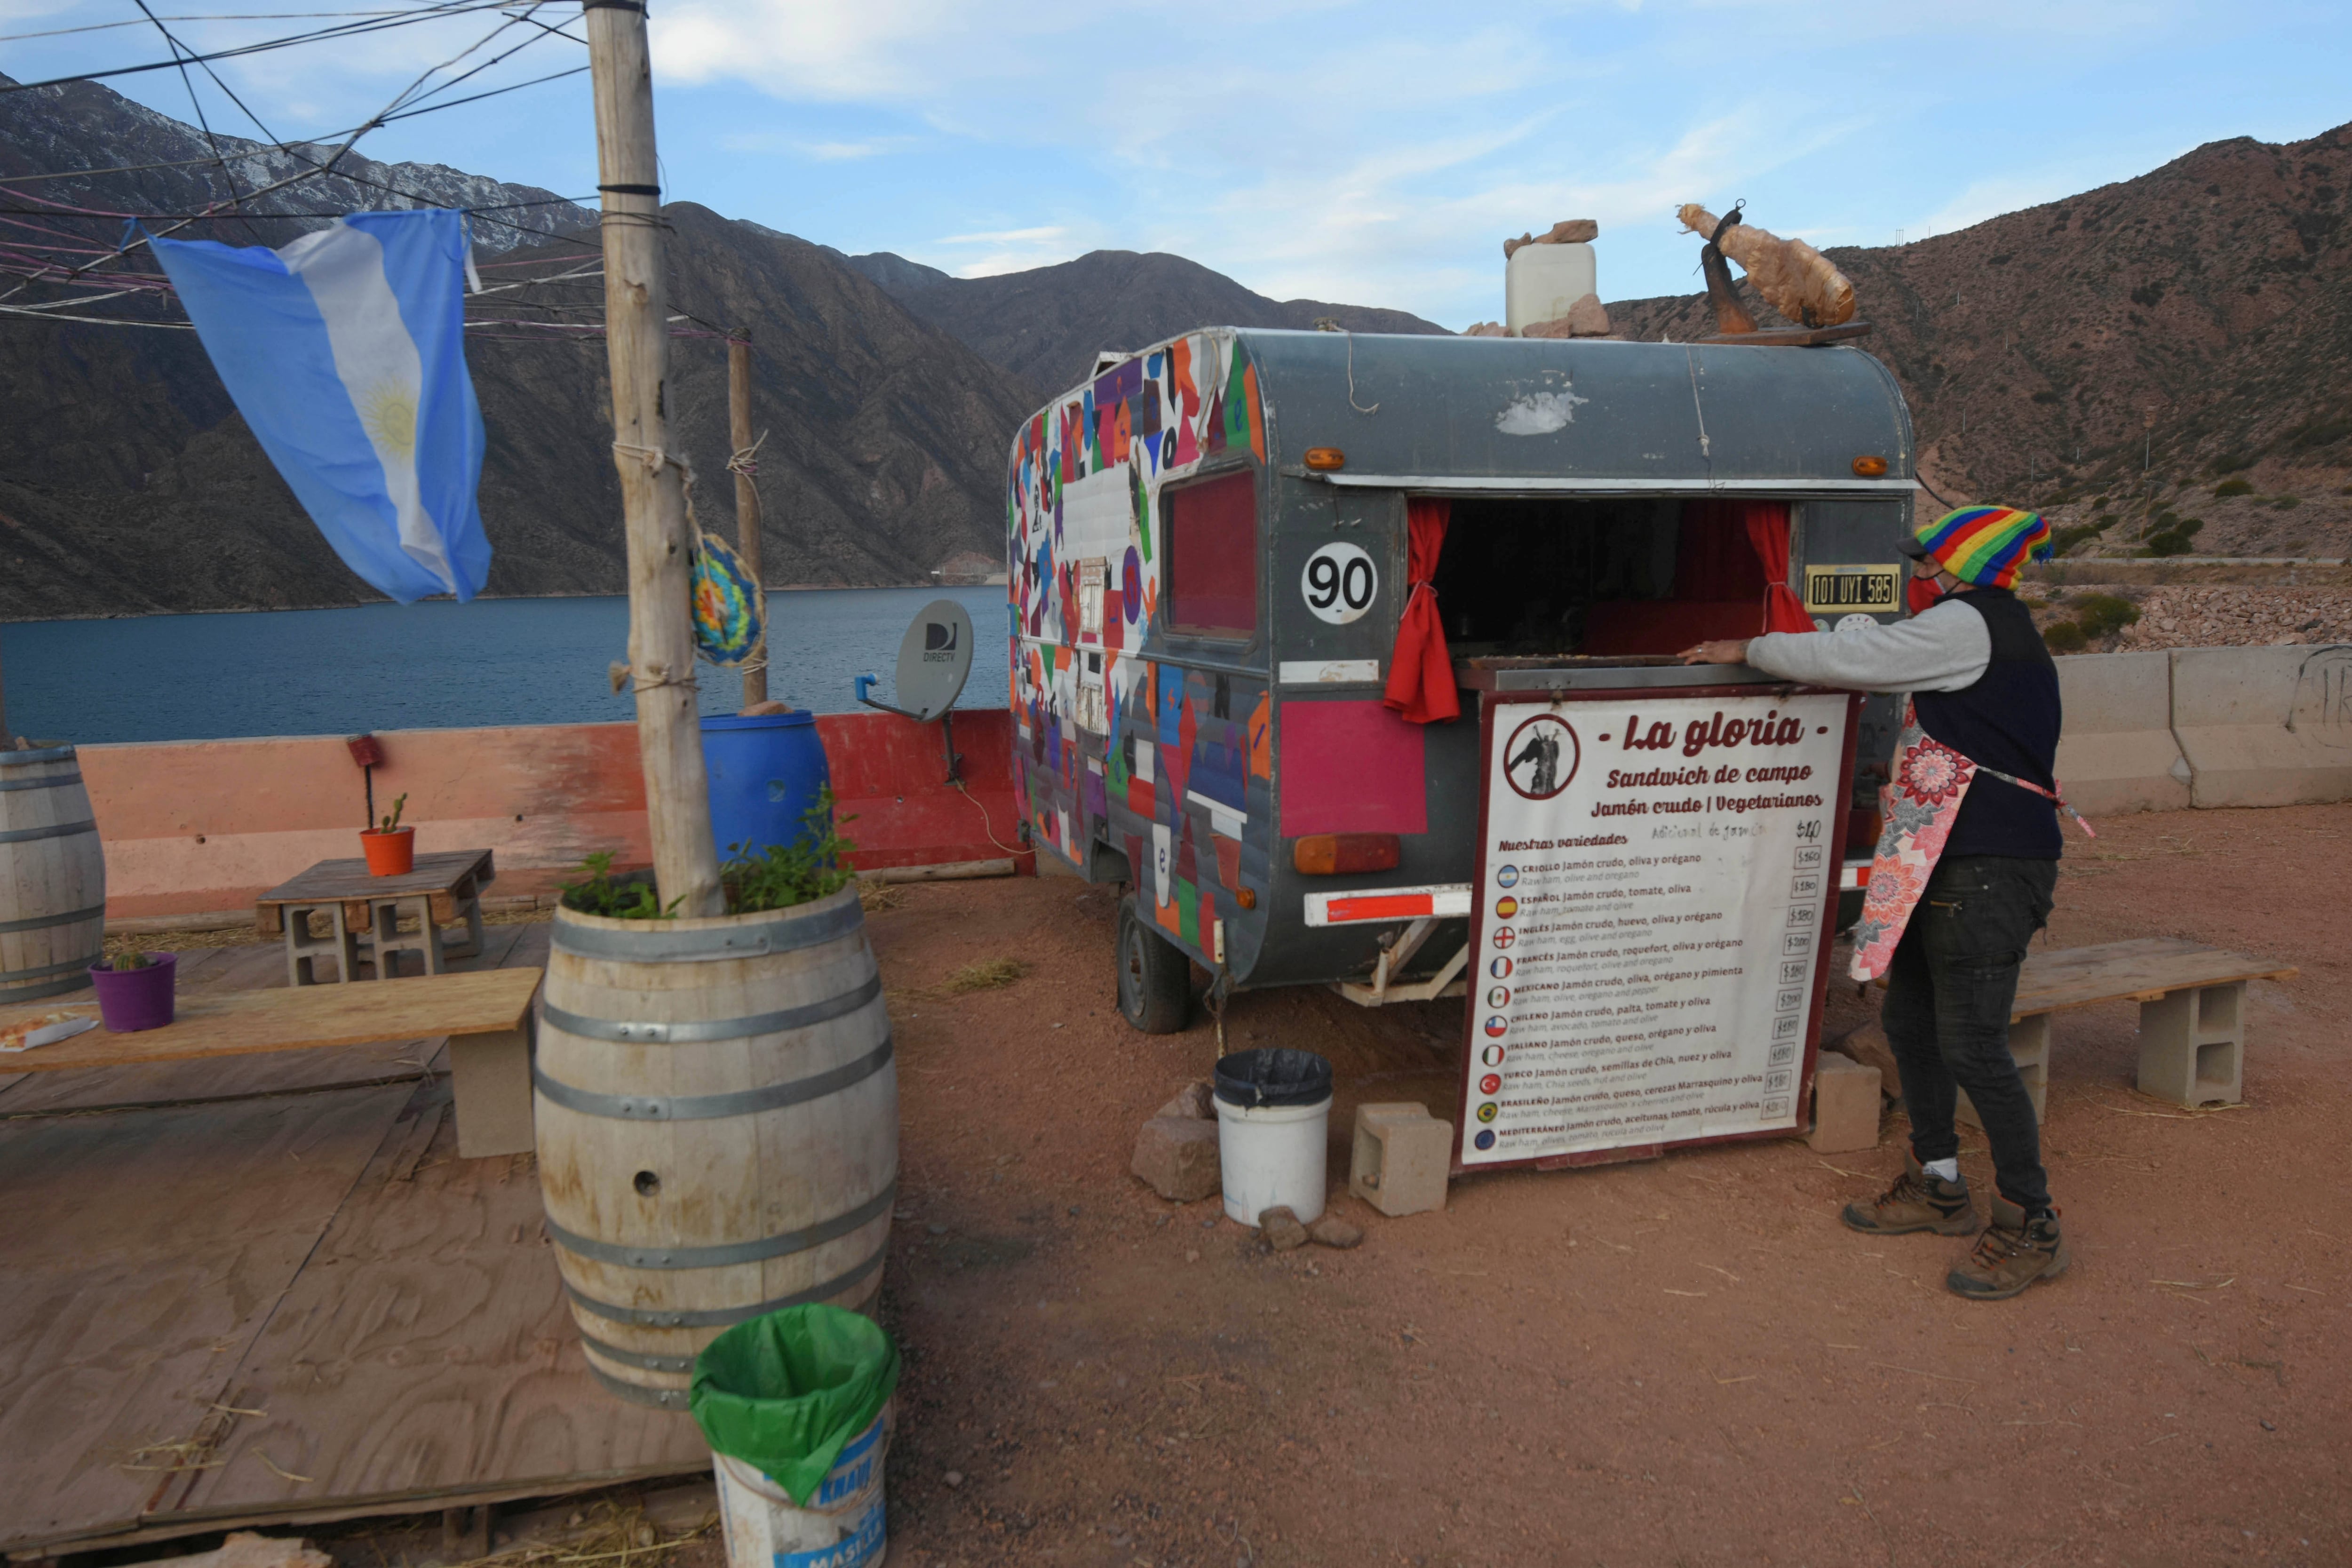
point(201, 825)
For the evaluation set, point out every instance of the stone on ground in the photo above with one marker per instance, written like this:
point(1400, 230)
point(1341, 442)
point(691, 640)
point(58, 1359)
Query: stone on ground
point(1177, 1155)
point(1281, 1228)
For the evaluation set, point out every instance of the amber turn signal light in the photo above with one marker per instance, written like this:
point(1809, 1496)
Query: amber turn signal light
point(1870, 467)
point(1343, 854)
point(1323, 460)
point(1246, 897)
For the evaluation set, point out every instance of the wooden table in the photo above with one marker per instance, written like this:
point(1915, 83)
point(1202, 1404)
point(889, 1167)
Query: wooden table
point(485, 1014)
point(443, 888)
point(2192, 1015)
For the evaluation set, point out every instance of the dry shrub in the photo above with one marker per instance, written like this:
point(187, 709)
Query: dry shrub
point(988, 975)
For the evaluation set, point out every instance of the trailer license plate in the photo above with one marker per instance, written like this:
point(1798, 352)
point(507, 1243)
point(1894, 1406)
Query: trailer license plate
point(1869, 589)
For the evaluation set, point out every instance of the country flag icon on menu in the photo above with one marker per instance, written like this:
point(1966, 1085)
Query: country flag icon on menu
point(1488, 1111)
point(1490, 1084)
point(1491, 1056)
point(1505, 936)
point(1505, 908)
point(1507, 876)
point(1495, 1026)
point(1501, 968)
point(1498, 996)
point(1486, 1139)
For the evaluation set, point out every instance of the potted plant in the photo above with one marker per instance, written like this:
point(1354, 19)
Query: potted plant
point(134, 990)
point(390, 849)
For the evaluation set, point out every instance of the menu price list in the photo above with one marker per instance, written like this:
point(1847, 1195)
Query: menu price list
point(1653, 881)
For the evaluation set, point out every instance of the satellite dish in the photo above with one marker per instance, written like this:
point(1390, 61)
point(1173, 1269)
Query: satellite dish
point(934, 661)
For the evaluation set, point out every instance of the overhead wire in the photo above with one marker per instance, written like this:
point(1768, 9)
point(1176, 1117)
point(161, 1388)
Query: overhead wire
point(230, 16)
point(398, 100)
point(442, 11)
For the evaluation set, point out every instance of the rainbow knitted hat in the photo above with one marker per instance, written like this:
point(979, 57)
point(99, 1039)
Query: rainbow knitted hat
point(1983, 546)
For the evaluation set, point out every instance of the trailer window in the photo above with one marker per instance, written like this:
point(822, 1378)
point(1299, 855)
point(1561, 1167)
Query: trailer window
point(1212, 541)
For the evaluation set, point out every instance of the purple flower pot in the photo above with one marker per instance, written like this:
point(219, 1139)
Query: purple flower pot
point(129, 1000)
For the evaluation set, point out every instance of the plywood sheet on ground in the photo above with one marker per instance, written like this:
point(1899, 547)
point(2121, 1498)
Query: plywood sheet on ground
point(425, 1351)
point(140, 1253)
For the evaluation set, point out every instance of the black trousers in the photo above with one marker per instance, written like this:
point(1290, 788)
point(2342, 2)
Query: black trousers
point(1949, 990)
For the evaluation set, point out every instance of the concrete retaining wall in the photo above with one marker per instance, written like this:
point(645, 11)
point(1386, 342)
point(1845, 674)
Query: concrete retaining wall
point(2264, 726)
point(198, 826)
point(2206, 727)
point(2118, 754)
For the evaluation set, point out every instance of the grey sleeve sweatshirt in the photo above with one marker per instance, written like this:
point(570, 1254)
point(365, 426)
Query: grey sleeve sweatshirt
point(1943, 649)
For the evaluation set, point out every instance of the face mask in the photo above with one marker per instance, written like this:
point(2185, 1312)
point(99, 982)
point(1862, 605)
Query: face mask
point(1923, 591)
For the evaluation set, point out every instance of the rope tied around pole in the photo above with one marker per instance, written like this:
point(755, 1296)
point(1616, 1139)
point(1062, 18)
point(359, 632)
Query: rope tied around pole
point(745, 460)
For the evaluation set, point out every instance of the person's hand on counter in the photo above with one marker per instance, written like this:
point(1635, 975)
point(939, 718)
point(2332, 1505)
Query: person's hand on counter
point(1723, 650)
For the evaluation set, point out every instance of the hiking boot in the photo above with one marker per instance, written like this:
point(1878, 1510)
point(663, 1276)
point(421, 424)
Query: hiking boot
point(2012, 1254)
point(1916, 1201)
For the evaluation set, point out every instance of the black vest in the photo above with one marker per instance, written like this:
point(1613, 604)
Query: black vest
point(2009, 719)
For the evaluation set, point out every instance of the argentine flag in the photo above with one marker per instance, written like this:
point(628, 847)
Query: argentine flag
point(345, 353)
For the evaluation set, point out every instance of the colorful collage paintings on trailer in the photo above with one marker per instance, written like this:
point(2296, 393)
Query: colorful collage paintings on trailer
point(1166, 765)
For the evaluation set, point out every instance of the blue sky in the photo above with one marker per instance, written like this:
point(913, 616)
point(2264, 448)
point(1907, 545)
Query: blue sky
point(1370, 153)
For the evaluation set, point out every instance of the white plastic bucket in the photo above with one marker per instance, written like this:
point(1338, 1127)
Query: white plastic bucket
point(843, 1526)
point(1274, 1156)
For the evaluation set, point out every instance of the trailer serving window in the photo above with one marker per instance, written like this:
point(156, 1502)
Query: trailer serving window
point(1212, 541)
point(1539, 577)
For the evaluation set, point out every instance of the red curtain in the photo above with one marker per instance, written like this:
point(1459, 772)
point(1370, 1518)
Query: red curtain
point(1421, 671)
point(1735, 550)
point(1768, 530)
point(1715, 563)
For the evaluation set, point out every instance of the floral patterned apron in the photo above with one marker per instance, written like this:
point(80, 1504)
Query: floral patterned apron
point(1916, 810)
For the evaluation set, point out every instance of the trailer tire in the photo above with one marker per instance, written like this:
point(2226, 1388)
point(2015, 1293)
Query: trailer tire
point(1155, 978)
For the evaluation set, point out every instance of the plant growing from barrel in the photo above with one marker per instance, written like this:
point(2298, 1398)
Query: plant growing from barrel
point(778, 877)
point(782, 875)
point(628, 896)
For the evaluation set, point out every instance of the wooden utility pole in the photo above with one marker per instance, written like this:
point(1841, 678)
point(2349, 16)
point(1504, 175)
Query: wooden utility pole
point(653, 490)
point(747, 494)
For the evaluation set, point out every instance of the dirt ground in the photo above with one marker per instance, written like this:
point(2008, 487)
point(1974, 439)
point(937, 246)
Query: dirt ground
point(1682, 1361)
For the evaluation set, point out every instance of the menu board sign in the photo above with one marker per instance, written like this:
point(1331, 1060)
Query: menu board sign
point(1656, 880)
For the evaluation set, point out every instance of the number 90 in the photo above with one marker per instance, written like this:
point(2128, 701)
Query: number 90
point(1341, 583)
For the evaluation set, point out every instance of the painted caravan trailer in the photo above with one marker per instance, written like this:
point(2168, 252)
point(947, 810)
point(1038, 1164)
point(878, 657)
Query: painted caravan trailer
point(1210, 552)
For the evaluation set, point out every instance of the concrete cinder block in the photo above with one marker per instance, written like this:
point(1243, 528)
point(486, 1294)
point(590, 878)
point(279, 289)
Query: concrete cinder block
point(1401, 1159)
point(1177, 1156)
point(2264, 726)
point(2117, 754)
point(1845, 1105)
point(2192, 1044)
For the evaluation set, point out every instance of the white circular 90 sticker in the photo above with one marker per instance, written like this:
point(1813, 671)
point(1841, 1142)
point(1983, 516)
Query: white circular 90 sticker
point(1340, 582)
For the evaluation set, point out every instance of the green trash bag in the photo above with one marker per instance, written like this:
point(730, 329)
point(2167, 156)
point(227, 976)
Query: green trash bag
point(786, 1392)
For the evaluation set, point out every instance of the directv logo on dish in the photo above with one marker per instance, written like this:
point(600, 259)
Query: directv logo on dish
point(939, 642)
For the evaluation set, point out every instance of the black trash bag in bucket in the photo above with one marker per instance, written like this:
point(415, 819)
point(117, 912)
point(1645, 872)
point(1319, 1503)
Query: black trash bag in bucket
point(786, 1393)
point(1272, 1076)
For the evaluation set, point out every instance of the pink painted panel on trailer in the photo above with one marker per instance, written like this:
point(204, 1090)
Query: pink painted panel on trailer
point(1351, 767)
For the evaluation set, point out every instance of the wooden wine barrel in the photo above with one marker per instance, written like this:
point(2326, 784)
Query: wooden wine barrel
point(52, 876)
point(717, 1128)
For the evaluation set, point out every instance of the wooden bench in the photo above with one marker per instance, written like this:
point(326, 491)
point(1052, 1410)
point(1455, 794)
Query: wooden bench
point(2192, 1014)
point(486, 1013)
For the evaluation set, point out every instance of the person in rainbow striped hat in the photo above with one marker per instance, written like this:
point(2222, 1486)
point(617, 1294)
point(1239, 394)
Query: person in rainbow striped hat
point(1966, 865)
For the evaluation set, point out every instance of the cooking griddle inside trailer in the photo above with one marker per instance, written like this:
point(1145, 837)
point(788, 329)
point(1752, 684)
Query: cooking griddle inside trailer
point(1654, 884)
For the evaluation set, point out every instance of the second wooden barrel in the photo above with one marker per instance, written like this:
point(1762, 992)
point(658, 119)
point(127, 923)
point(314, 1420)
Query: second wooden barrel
point(52, 876)
point(717, 1128)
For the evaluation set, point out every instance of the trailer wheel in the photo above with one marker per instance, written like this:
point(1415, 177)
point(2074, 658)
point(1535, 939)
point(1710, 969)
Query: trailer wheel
point(1155, 978)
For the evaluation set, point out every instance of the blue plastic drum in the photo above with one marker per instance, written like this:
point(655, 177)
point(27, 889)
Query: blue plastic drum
point(766, 773)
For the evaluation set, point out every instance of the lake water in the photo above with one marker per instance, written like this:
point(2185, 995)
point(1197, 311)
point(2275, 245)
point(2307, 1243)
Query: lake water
point(436, 665)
